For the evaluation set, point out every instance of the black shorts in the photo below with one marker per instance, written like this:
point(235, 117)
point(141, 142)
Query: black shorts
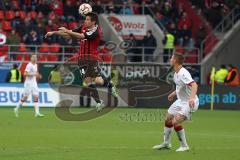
point(89, 68)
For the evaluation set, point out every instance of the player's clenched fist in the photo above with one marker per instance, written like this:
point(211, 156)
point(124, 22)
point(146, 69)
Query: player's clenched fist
point(49, 34)
point(171, 96)
point(191, 103)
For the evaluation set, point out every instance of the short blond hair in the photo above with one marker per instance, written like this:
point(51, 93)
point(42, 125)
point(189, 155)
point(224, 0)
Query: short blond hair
point(179, 57)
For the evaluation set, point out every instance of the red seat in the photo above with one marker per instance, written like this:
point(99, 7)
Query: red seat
point(107, 58)
point(3, 50)
point(1, 15)
point(54, 48)
point(179, 49)
point(22, 14)
point(33, 14)
point(23, 57)
point(72, 25)
point(6, 25)
point(191, 57)
point(9, 15)
point(43, 48)
point(42, 57)
point(105, 54)
point(19, 57)
point(52, 57)
point(26, 57)
point(22, 48)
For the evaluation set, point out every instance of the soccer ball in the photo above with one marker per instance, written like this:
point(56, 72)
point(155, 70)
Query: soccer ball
point(84, 9)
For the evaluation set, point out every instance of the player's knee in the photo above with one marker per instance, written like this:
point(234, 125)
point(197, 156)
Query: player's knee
point(24, 98)
point(178, 127)
point(168, 119)
point(99, 80)
point(175, 123)
point(35, 98)
point(168, 123)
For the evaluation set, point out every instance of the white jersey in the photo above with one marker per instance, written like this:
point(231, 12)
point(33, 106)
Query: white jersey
point(183, 79)
point(31, 68)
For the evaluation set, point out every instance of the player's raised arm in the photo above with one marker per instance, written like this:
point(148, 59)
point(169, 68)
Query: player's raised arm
point(72, 33)
point(60, 33)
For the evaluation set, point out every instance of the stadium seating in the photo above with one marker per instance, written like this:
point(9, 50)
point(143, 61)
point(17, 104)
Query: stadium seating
point(9, 15)
point(44, 48)
point(3, 50)
point(22, 14)
point(6, 25)
point(42, 57)
point(33, 14)
point(54, 48)
point(1, 15)
point(52, 57)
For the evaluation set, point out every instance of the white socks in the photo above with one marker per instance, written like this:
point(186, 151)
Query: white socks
point(36, 106)
point(19, 104)
point(167, 135)
point(182, 137)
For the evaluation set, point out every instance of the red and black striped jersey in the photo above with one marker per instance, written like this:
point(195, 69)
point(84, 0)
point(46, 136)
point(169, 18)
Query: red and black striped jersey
point(89, 45)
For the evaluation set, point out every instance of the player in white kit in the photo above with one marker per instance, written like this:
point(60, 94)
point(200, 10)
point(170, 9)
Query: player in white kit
point(30, 86)
point(186, 103)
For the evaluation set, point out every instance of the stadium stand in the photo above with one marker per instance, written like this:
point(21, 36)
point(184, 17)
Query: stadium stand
point(41, 16)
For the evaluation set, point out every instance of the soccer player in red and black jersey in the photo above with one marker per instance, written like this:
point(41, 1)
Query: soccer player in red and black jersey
point(90, 35)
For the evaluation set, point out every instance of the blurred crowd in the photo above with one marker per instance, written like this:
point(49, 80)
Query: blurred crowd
point(225, 75)
point(215, 10)
point(27, 21)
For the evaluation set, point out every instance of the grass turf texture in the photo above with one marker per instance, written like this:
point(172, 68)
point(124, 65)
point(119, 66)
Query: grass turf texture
point(211, 135)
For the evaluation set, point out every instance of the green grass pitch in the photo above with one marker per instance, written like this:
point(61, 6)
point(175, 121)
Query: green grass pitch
point(211, 136)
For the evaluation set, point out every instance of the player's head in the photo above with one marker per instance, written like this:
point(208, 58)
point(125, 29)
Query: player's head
point(223, 66)
point(91, 19)
point(15, 66)
point(33, 58)
point(177, 59)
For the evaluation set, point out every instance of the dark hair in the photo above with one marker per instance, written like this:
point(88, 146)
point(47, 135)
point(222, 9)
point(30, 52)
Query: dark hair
point(223, 66)
point(179, 57)
point(150, 31)
point(231, 66)
point(15, 66)
point(131, 35)
point(93, 16)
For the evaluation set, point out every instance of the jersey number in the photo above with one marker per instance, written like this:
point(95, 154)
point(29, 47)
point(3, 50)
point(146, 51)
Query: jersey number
point(82, 71)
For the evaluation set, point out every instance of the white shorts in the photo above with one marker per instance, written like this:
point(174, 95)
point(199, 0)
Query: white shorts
point(30, 89)
point(182, 107)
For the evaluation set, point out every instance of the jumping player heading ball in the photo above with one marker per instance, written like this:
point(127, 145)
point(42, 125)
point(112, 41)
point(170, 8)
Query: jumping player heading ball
point(90, 35)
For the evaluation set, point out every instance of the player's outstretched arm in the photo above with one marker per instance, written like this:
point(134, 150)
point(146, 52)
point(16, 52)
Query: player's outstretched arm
point(60, 33)
point(72, 33)
point(194, 88)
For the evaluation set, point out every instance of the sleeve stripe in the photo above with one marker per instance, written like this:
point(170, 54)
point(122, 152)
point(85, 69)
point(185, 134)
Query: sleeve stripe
point(190, 84)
